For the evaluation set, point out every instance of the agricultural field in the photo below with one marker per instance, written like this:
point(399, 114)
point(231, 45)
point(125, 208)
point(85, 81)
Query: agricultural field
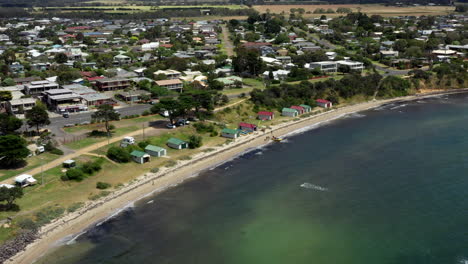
point(369, 9)
point(134, 8)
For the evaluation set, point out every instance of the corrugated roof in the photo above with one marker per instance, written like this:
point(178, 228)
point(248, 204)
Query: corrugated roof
point(289, 110)
point(176, 141)
point(229, 131)
point(138, 153)
point(154, 148)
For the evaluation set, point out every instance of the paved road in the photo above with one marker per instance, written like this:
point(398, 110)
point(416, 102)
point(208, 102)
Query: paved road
point(391, 72)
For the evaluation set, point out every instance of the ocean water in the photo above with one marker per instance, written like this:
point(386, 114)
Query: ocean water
point(387, 186)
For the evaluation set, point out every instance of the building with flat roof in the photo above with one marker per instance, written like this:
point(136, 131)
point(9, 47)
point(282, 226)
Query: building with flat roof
point(112, 84)
point(19, 106)
point(38, 87)
point(174, 84)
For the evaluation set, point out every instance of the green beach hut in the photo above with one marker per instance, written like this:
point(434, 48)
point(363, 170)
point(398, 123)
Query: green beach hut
point(289, 112)
point(155, 151)
point(176, 143)
point(140, 156)
point(307, 108)
point(230, 133)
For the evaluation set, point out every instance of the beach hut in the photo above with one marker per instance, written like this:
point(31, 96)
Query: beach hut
point(307, 108)
point(230, 133)
point(176, 143)
point(140, 156)
point(289, 112)
point(265, 115)
point(24, 180)
point(247, 127)
point(324, 103)
point(155, 151)
point(69, 164)
point(299, 109)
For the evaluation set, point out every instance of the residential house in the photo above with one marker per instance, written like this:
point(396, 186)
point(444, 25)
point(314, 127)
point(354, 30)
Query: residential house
point(140, 156)
point(230, 133)
point(122, 59)
point(38, 87)
point(19, 106)
point(134, 96)
point(176, 143)
point(289, 112)
point(265, 115)
point(111, 84)
point(353, 65)
point(389, 53)
point(323, 66)
point(170, 74)
point(155, 151)
point(176, 84)
point(64, 100)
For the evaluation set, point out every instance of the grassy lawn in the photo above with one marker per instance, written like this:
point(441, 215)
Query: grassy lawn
point(232, 91)
point(82, 143)
point(32, 162)
point(118, 124)
point(254, 83)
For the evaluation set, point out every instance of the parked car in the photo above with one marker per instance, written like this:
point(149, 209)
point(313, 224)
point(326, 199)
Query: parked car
point(66, 115)
point(182, 122)
point(170, 126)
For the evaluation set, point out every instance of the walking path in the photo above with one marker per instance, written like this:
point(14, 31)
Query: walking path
point(227, 42)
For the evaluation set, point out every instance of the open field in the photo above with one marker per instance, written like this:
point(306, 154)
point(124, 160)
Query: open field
point(369, 9)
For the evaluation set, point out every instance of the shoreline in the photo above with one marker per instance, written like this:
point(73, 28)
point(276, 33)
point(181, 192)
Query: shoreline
point(70, 226)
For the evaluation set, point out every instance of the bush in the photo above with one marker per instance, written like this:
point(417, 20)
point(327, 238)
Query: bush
point(146, 113)
point(27, 224)
point(154, 170)
point(64, 178)
point(195, 141)
point(171, 163)
point(143, 144)
point(48, 214)
point(75, 174)
point(56, 151)
point(214, 134)
point(73, 207)
point(103, 185)
point(118, 155)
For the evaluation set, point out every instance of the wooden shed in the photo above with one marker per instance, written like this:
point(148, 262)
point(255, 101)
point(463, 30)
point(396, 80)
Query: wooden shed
point(289, 112)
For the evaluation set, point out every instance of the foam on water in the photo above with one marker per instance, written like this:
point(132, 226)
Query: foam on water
point(311, 186)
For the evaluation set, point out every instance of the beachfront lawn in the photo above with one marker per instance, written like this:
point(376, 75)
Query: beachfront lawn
point(32, 162)
point(121, 123)
point(88, 141)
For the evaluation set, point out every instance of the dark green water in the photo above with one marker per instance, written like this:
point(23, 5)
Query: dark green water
point(387, 186)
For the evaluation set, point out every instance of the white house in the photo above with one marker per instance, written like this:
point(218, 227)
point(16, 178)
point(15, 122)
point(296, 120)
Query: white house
point(323, 66)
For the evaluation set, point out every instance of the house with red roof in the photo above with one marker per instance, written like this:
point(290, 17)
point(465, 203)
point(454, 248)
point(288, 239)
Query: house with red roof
point(247, 127)
point(324, 103)
point(265, 115)
point(299, 109)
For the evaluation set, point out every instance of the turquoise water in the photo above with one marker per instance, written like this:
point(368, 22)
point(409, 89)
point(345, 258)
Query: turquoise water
point(386, 186)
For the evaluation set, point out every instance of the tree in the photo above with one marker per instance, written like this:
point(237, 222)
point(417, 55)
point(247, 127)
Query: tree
point(117, 154)
point(282, 38)
point(9, 124)
point(9, 195)
point(79, 36)
point(195, 141)
point(37, 117)
point(174, 108)
point(5, 96)
point(247, 61)
point(12, 150)
point(8, 82)
point(61, 58)
point(106, 113)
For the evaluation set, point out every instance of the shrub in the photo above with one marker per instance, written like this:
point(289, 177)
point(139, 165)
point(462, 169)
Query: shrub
point(171, 163)
point(146, 113)
point(64, 178)
point(103, 185)
point(143, 144)
point(75, 174)
point(27, 224)
point(185, 158)
point(214, 134)
point(48, 214)
point(118, 155)
point(195, 141)
point(154, 170)
point(56, 151)
point(73, 207)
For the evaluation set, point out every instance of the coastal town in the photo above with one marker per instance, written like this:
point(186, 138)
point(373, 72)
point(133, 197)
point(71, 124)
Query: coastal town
point(90, 108)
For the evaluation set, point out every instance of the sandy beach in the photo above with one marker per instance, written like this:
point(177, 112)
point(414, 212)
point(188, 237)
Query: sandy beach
point(96, 211)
